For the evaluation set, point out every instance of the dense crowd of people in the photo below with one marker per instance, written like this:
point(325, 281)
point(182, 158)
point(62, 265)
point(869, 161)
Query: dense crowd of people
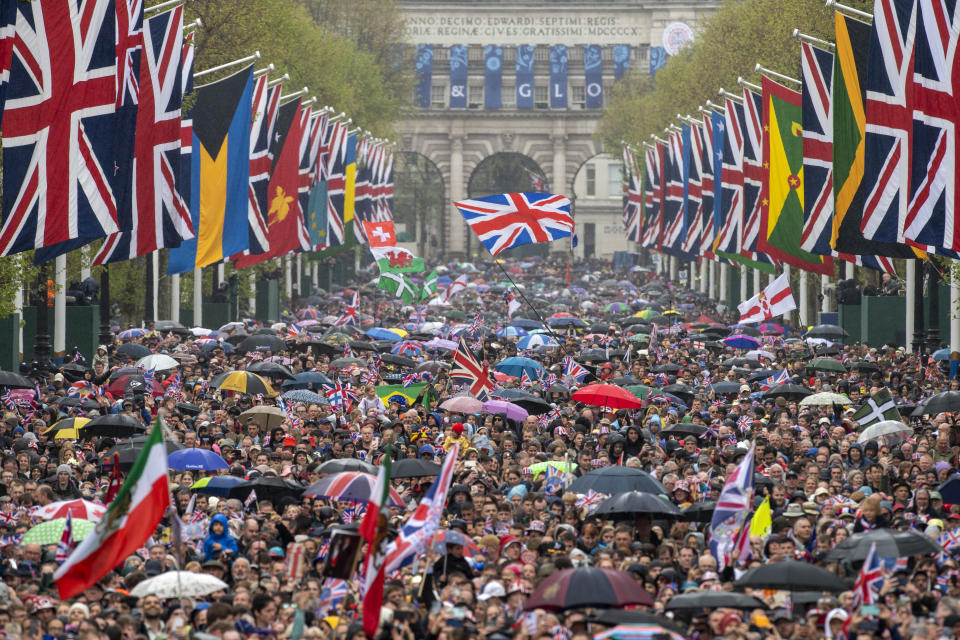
point(510, 525)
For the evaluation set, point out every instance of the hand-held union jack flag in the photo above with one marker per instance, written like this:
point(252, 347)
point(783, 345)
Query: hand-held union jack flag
point(509, 220)
point(729, 516)
point(866, 590)
point(466, 368)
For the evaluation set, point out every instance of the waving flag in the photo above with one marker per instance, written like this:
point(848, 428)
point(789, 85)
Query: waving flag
point(866, 590)
point(65, 547)
point(708, 187)
point(467, 369)
point(652, 201)
point(775, 380)
point(775, 300)
point(415, 535)
point(729, 517)
point(573, 369)
point(509, 220)
point(374, 529)
point(350, 313)
point(880, 406)
point(754, 173)
point(454, 288)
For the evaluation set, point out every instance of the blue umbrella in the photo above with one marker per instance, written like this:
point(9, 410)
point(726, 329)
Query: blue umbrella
point(516, 366)
point(196, 459)
point(942, 354)
point(217, 486)
point(304, 395)
point(210, 346)
point(525, 323)
point(535, 340)
point(741, 341)
point(511, 332)
point(379, 333)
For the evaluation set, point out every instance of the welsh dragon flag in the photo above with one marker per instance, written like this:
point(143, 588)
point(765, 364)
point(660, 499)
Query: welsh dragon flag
point(130, 519)
point(397, 260)
point(374, 531)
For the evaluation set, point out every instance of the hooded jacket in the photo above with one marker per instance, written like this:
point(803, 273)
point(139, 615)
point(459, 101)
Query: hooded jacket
point(227, 543)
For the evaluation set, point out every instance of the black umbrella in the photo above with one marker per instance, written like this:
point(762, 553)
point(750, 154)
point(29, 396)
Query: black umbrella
point(133, 350)
point(587, 587)
point(713, 600)
point(626, 505)
point(433, 367)
point(698, 512)
point(341, 363)
point(14, 380)
point(827, 331)
point(791, 575)
point(272, 489)
point(761, 374)
point(271, 370)
point(316, 346)
point(726, 387)
point(611, 617)
point(362, 345)
point(946, 402)
point(399, 361)
point(129, 450)
point(112, 425)
point(261, 343)
point(749, 331)
point(788, 391)
point(863, 366)
point(188, 408)
point(414, 468)
point(667, 367)
point(345, 464)
point(682, 391)
point(891, 543)
point(616, 479)
point(685, 429)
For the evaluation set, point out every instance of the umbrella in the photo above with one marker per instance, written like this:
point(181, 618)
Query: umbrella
point(343, 363)
point(462, 404)
point(946, 402)
point(607, 395)
point(525, 323)
point(532, 404)
point(825, 399)
point(51, 531)
point(725, 387)
point(788, 391)
point(133, 350)
point(749, 363)
point(791, 575)
point(407, 348)
point(270, 370)
point(741, 341)
point(682, 391)
point(349, 486)
point(516, 367)
point(611, 617)
point(303, 395)
point(667, 367)
point(309, 379)
point(128, 451)
point(433, 367)
point(179, 584)
point(891, 543)
point(537, 340)
point(587, 587)
point(272, 489)
point(379, 333)
point(698, 512)
point(414, 468)
point(78, 509)
point(941, 354)
point(827, 364)
point(261, 343)
point(828, 331)
point(756, 354)
point(713, 600)
point(770, 328)
point(13, 380)
point(639, 631)
point(616, 479)
point(338, 465)
point(950, 490)
point(893, 429)
point(443, 537)
point(685, 429)
point(157, 362)
point(265, 416)
point(510, 410)
point(243, 382)
point(112, 425)
point(399, 361)
point(566, 322)
point(634, 502)
point(216, 485)
point(67, 429)
point(196, 459)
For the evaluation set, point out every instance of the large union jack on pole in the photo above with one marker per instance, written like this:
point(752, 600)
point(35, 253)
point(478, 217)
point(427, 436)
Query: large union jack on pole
point(509, 220)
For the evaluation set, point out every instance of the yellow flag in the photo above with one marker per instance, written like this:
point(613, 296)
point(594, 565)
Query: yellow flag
point(762, 521)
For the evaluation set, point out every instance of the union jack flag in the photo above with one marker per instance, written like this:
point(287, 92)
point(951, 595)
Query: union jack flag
point(525, 379)
point(632, 199)
point(336, 395)
point(161, 217)
point(266, 106)
point(866, 590)
point(932, 213)
point(591, 499)
point(692, 170)
point(311, 131)
point(775, 380)
point(509, 220)
point(554, 481)
point(8, 401)
point(729, 213)
point(335, 142)
point(753, 173)
point(673, 197)
point(572, 369)
point(467, 369)
point(709, 186)
point(350, 313)
point(817, 76)
point(66, 544)
point(60, 126)
point(652, 200)
point(729, 516)
point(334, 592)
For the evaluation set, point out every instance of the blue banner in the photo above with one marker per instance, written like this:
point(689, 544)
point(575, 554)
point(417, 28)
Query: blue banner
point(717, 124)
point(525, 76)
point(558, 76)
point(658, 58)
point(621, 60)
point(593, 75)
point(458, 76)
point(492, 76)
point(424, 74)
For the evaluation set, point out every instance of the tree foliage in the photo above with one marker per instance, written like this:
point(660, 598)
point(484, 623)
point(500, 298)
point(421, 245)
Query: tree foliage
point(729, 44)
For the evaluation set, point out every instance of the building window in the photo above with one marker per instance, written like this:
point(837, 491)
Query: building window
point(614, 180)
point(578, 96)
point(509, 96)
point(475, 96)
point(541, 53)
point(591, 180)
point(540, 97)
point(438, 96)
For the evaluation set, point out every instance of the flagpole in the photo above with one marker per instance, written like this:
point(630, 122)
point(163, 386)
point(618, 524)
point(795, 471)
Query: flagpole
point(761, 69)
point(196, 24)
point(849, 11)
point(749, 85)
point(267, 69)
point(276, 81)
point(812, 40)
point(529, 304)
point(227, 65)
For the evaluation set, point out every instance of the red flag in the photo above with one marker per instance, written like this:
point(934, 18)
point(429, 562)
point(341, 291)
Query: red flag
point(115, 483)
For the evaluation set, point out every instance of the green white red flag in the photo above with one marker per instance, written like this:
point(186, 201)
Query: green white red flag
point(374, 531)
point(130, 520)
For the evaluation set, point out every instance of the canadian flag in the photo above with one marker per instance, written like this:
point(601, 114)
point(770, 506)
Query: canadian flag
point(380, 234)
point(775, 300)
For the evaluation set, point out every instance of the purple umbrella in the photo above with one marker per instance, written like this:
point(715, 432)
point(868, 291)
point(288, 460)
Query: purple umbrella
point(512, 411)
point(439, 343)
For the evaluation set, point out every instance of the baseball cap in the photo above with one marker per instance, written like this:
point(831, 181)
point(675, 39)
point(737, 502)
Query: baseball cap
point(492, 590)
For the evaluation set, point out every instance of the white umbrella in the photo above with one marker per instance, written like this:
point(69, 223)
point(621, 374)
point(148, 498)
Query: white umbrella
point(179, 584)
point(885, 429)
point(201, 332)
point(825, 398)
point(158, 362)
point(756, 354)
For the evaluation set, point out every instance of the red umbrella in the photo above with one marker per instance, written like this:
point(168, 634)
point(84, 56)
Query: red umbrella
point(588, 587)
point(79, 508)
point(607, 395)
point(350, 486)
point(118, 386)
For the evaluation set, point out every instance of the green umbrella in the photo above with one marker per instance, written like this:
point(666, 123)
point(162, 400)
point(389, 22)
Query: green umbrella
point(827, 364)
point(454, 314)
point(639, 337)
point(639, 390)
point(541, 467)
point(51, 531)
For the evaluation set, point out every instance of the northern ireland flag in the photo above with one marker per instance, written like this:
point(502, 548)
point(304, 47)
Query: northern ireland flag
point(775, 300)
point(131, 518)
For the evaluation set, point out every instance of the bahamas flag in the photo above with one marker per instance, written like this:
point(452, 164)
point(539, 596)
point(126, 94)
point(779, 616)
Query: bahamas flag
point(781, 222)
point(220, 173)
point(350, 196)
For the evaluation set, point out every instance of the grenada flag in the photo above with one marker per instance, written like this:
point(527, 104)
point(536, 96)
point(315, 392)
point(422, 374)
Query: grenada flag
point(131, 518)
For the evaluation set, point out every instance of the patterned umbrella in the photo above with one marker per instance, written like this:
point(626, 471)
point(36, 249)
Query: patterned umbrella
point(309, 313)
point(243, 382)
point(67, 429)
point(741, 341)
point(196, 459)
point(51, 531)
point(129, 334)
point(407, 348)
point(216, 485)
point(444, 537)
point(638, 631)
point(80, 510)
point(350, 486)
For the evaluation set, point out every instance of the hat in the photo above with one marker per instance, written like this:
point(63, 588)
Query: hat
point(518, 586)
point(811, 508)
point(537, 525)
point(457, 428)
point(821, 491)
point(214, 564)
point(152, 567)
point(681, 485)
point(846, 512)
point(492, 590)
point(289, 441)
point(744, 387)
point(58, 377)
point(426, 449)
point(793, 510)
point(709, 576)
point(43, 602)
point(727, 620)
point(64, 468)
point(935, 495)
point(824, 420)
point(276, 552)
